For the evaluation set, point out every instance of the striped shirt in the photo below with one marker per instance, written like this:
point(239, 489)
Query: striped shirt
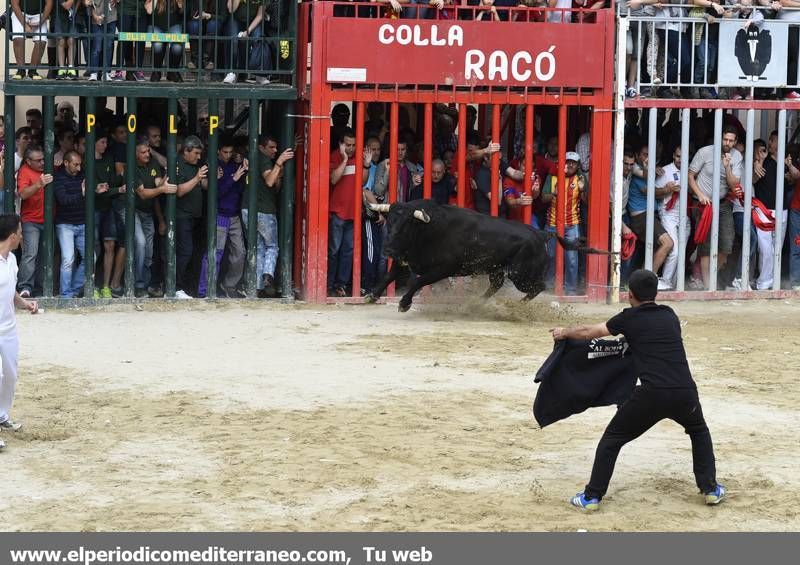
point(573, 216)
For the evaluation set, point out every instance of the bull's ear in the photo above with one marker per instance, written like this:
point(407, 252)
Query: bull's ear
point(422, 216)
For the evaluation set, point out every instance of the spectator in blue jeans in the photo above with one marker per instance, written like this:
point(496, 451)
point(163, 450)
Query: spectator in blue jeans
point(132, 17)
point(794, 239)
point(206, 19)
point(150, 183)
point(574, 193)
point(268, 185)
point(103, 28)
point(70, 220)
point(167, 17)
point(244, 27)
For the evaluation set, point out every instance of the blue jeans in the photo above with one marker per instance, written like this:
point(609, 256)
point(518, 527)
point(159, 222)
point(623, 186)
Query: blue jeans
point(71, 239)
point(700, 74)
point(102, 42)
point(212, 28)
point(31, 242)
point(794, 247)
point(144, 232)
point(159, 49)
point(570, 259)
point(133, 22)
point(340, 251)
point(266, 245)
point(237, 56)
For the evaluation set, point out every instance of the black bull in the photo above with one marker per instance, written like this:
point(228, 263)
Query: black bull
point(437, 242)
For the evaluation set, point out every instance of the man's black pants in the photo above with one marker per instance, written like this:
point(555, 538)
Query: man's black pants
point(184, 246)
point(646, 407)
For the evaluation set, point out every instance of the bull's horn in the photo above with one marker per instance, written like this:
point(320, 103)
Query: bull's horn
point(422, 216)
point(383, 208)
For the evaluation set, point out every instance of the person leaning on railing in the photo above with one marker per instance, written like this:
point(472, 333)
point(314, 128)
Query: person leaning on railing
point(647, 42)
point(131, 18)
point(166, 17)
point(29, 17)
point(206, 18)
point(103, 14)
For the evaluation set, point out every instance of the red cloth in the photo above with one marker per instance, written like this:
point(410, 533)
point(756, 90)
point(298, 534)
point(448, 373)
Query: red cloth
point(672, 200)
point(795, 204)
point(32, 207)
point(704, 224)
point(342, 202)
point(628, 245)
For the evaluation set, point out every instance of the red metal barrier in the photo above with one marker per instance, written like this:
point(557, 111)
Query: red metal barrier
point(362, 73)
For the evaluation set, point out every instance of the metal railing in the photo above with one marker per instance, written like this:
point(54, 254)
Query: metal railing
point(732, 269)
point(671, 48)
point(153, 40)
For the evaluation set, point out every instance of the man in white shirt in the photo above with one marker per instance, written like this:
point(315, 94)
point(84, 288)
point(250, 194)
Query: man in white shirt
point(10, 239)
point(669, 210)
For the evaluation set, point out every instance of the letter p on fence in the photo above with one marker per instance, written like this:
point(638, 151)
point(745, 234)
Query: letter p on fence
point(213, 123)
point(90, 121)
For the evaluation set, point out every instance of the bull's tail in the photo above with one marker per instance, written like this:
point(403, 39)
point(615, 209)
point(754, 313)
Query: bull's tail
point(579, 245)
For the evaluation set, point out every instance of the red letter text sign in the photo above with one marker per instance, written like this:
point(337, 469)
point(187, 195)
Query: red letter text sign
point(465, 53)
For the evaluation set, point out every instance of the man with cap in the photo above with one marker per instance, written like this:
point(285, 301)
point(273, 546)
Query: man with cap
point(574, 193)
point(667, 389)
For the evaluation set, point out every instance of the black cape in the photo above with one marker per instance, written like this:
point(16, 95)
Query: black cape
point(580, 374)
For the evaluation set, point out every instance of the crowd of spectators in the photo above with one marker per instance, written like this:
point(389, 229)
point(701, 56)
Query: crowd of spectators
point(764, 238)
point(229, 39)
point(152, 183)
point(543, 199)
point(673, 46)
point(480, 185)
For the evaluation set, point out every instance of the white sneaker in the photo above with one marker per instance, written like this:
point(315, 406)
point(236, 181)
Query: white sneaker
point(262, 80)
point(11, 426)
point(93, 76)
point(230, 78)
point(664, 285)
point(181, 295)
point(796, 288)
point(2, 445)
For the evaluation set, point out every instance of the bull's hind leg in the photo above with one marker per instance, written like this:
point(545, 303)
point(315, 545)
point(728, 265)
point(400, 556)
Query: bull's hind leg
point(496, 280)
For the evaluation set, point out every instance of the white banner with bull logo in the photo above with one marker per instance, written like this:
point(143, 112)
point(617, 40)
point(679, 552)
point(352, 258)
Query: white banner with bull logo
point(752, 55)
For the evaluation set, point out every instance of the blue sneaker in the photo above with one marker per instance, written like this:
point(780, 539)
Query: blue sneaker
point(580, 501)
point(715, 496)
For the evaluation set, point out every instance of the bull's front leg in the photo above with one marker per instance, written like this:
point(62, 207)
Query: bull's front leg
point(422, 280)
point(390, 277)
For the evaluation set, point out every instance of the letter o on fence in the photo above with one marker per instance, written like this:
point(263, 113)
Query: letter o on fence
point(404, 35)
point(132, 123)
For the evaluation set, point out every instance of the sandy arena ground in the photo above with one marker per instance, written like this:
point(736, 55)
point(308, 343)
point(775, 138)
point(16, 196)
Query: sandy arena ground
point(277, 417)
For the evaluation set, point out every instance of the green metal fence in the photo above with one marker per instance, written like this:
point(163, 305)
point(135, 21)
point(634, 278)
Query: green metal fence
point(177, 41)
point(215, 130)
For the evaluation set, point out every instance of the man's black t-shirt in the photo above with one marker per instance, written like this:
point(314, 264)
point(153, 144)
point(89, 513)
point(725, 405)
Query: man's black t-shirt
point(653, 332)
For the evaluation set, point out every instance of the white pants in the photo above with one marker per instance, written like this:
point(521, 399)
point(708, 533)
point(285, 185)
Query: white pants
point(38, 25)
point(9, 351)
point(670, 223)
point(766, 246)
